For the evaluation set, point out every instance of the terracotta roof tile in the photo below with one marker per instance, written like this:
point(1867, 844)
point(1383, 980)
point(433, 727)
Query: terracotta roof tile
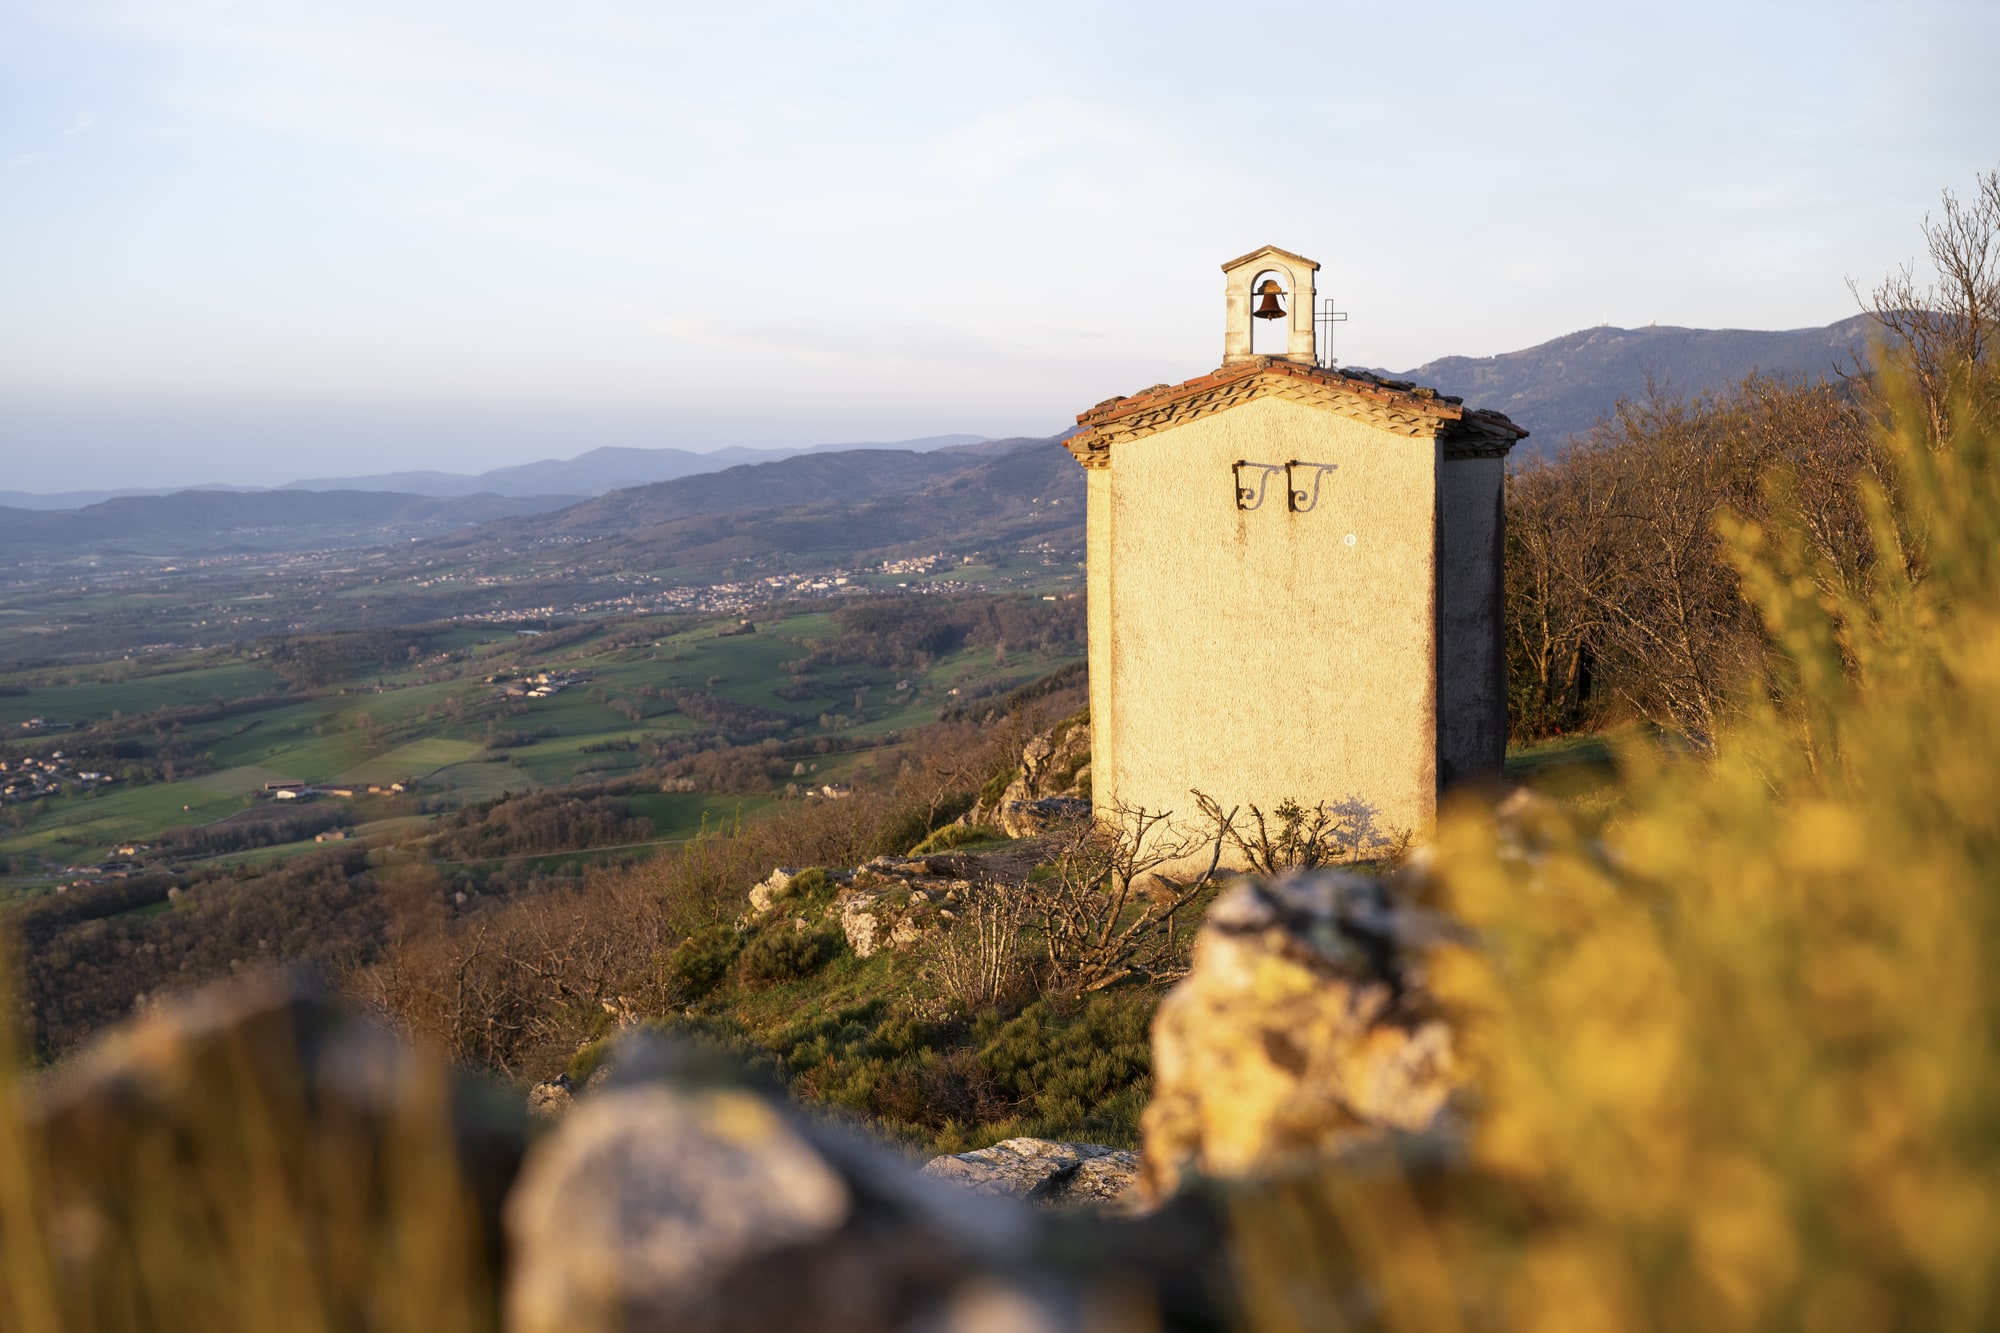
point(1395, 405)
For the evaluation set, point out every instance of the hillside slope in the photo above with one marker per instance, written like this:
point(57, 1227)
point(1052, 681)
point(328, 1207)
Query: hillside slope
point(981, 499)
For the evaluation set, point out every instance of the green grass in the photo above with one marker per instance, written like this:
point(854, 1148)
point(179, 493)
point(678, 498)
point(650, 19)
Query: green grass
point(82, 828)
point(684, 814)
point(92, 701)
point(1581, 770)
point(246, 780)
point(416, 759)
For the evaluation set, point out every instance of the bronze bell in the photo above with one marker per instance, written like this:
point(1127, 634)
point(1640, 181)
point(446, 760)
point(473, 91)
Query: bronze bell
point(1269, 308)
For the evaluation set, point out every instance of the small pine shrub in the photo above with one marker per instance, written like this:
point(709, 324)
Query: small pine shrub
point(809, 884)
point(700, 962)
point(587, 1060)
point(781, 954)
point(957, 835)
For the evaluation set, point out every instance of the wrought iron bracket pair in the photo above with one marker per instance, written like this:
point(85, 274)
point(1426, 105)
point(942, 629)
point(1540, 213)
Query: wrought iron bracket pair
point(1297, 498)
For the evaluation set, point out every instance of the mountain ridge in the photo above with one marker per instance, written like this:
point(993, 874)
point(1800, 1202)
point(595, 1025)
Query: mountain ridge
point(1563, 386)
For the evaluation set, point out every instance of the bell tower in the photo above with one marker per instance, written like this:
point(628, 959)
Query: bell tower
point(1272, 284)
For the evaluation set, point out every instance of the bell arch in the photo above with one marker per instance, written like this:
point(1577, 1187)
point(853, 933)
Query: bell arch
point(1295, 274)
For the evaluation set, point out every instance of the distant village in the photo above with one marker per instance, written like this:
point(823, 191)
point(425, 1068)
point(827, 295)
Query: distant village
point(30, 779)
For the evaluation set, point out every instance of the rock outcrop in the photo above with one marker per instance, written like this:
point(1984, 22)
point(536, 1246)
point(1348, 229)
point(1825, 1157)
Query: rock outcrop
point(260, 1131)
point(891, 904)
point(1303, 1030)
point(1042, 1171)
point(674, 1198)
point(773, 887)
point(551, 1098)
point(1052, 784)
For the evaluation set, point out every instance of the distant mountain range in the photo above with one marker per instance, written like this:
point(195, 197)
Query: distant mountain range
point(670, 508)
point(1563, 386)
point(591, 473)
point(219, 522)
point(843, 508)
point(598, 471)
point(750, 510)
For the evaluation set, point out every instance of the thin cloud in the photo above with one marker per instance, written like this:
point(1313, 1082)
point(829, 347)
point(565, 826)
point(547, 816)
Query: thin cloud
point(84, 120)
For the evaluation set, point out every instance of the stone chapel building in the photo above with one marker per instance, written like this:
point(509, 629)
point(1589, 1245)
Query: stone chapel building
point(1294, 577)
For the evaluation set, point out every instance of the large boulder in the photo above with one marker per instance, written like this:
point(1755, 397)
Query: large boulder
point(679, 1197)
point(1042, 1171)
point(1302, 1031)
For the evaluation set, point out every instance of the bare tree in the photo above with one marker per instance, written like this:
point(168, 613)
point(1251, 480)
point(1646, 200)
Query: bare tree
point(1942, 333)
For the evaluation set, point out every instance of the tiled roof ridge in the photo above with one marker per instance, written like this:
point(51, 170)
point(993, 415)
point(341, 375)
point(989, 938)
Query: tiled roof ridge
point(1397, 405)
point(1399, 392)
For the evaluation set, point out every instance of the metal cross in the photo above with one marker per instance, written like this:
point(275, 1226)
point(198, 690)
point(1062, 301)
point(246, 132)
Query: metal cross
point(1326, 316)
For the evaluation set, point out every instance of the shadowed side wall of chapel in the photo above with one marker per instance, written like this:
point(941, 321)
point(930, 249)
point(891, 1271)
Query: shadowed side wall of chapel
point(1472, 662)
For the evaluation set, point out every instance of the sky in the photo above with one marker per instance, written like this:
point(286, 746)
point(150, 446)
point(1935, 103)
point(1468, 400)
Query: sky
point(246, 241)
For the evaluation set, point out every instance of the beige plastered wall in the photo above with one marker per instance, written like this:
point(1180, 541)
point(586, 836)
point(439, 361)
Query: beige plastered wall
point(1260, 655)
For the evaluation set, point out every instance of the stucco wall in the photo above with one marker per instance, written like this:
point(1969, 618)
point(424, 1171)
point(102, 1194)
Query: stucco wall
point(1472, 663)
point(1259, 655)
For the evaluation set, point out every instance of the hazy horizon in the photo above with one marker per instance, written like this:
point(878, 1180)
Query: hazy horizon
point(249, 243)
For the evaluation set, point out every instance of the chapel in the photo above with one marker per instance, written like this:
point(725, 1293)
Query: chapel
point(1295, 576)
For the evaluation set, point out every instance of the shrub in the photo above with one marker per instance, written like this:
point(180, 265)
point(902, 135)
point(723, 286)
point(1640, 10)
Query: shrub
point(809, 884)
point(957, 835)
point(700, 962)
point(1738, 1053)
point(782, 954)
point(587, 1059)
point(901, 830)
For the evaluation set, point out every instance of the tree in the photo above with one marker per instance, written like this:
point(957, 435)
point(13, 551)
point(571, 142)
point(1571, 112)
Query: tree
point(1943, 334)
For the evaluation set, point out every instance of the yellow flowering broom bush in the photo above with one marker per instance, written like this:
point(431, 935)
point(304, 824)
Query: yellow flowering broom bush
point(1736, 1052)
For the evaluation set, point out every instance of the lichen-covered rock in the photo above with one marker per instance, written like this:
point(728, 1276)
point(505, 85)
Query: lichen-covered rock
point(1304, 1028)
point(1025, 819)
point(551, 1098)
point(646, 1195)
point(885, 910)
point(773, 887)
point(857, 920)
point(1041, 1171)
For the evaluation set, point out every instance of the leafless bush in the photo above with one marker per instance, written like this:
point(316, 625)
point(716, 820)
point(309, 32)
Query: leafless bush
point(1300, 837)
point(1105, 909)
point(981, 961)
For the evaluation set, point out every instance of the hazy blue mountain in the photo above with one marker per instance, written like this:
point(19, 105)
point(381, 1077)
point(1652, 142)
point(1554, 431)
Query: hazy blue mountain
point(209, 522)
point(844, 476)
point(79, 499)
point(1564, 385)
point(596, 472)
point(997, 495)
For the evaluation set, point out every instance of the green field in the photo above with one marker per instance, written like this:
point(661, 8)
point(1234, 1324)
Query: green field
point(442, 725)
point(94, 699)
